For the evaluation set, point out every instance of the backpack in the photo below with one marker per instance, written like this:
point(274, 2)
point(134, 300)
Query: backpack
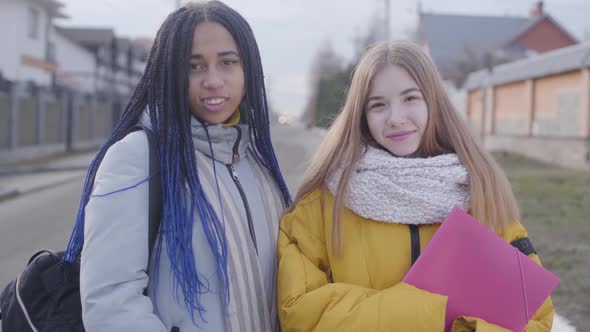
point(46, 295)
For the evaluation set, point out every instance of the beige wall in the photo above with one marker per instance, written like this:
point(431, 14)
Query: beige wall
point(586, 99)
point(545, 118)
point(559, 110)
point(512, 109)
point(554, 106)
point(489, 110)
point(475, 102)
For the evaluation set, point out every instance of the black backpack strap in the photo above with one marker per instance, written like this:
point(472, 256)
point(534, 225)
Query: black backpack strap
point(524, 245)
point(155, 192)
point(41, 252)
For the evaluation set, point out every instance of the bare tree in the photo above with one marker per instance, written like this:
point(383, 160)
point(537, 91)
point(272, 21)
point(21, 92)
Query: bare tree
point(488, 59)
point(326, 64)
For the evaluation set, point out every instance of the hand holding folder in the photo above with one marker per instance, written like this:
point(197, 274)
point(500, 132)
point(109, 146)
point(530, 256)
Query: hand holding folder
point(481, 274)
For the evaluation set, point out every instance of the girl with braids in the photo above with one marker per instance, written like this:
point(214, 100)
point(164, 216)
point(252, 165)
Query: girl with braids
point(213, 267)
point(394, 163)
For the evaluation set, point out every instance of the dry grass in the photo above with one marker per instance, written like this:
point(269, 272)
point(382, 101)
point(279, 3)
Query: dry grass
point(555, 205)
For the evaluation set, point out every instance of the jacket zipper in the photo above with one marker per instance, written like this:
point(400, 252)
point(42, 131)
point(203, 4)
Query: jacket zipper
point(236, 154)
point(234, 176)
point(415, 237)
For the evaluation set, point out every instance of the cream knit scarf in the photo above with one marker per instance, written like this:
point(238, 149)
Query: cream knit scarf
point(405, 190)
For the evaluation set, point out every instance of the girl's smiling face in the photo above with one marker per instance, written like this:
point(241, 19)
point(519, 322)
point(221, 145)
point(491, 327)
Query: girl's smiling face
point(216, 78)
point(396, 111)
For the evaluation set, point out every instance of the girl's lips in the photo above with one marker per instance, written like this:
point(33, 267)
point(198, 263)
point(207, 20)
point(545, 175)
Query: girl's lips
point(401, 135)
point(214, 104)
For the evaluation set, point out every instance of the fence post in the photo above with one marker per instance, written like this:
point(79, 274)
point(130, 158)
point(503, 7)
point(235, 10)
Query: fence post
point(91, 100)
point(14, 124)
point(63, 108)
point(41, 98)
point(69, 118)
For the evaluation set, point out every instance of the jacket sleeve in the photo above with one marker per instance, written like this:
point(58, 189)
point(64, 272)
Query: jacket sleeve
point(309, 301)
point(541, 321)
point(115, 253)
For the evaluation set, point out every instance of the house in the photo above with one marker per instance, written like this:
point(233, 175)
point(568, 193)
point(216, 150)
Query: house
point(76, 64)
point(61, 89)
point(29, 55)
point(119, 61)
point(538, 107)
point(460, 44)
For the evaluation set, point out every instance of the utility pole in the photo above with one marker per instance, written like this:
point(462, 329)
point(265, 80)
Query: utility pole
point(387, 19)
point(178, 4)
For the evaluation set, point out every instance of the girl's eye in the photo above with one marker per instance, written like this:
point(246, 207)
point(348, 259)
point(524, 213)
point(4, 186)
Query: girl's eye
point(229, 62)
point(197, 66)
point(376, 106)
point(411, 98)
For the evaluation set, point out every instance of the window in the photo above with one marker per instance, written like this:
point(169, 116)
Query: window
point(51, 53)
point(33, 23)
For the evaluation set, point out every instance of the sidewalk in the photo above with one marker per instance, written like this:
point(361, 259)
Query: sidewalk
point(36, 176)
point(47, 172)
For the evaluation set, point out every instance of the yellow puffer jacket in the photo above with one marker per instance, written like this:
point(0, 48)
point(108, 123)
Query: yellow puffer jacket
point(362, 289)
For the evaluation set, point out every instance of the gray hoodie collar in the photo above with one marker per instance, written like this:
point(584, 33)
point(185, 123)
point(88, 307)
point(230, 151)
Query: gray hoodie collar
point(229, 143)
point(223, 139)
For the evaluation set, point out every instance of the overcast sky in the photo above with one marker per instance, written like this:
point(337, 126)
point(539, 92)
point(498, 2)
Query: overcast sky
point(289, 32)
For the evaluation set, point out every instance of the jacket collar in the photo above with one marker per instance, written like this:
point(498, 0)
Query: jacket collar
point(226, 144)
point(229, 142)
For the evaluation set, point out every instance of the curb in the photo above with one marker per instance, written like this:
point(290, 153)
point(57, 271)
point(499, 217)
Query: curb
point(9, 194)
point(35, 170)
point(14, 193)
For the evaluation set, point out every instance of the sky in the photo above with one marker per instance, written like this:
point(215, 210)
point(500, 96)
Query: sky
point(290, 32)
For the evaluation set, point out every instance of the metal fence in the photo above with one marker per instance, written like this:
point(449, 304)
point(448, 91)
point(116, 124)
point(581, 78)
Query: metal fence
point(37, 121)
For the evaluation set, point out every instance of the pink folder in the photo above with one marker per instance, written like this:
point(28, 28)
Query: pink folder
point(482, 275)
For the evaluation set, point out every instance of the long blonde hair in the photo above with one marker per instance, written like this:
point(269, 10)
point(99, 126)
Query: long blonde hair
point(491, 196)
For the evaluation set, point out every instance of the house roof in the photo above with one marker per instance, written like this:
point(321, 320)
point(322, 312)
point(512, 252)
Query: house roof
point(538, 20)
point(123, 44)
point(550, 63)
point(142, 46)
point(53, 7)
point(89, 36)
point(453, 39)
point(477, 79)
point(449, 37)
point(93, 37)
